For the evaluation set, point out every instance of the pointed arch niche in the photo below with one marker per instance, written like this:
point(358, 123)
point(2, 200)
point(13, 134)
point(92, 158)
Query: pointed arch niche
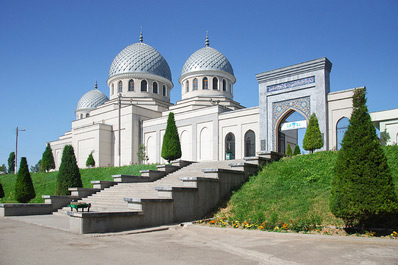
point(281, 111)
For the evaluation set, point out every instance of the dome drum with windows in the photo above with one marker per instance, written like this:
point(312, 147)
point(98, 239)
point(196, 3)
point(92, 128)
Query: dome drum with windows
point(90, 101)
point(207, 72)
point(140, 71)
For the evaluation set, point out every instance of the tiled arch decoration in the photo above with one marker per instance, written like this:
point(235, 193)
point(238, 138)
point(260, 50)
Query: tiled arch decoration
point(301, 105)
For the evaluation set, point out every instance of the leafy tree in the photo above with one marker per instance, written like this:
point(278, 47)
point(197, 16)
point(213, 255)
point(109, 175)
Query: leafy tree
point(289, 150)
point(171, 148)
point(313, 137)
point(68, 174)
point(3, 169)
point(384, 137)
point(141, 154)
point(47, 161)
point(11, 163)
point(362, 189)
point(296, 150)
point(1, 191)
point(36, 168)
point(90, 162)
point(24, 190)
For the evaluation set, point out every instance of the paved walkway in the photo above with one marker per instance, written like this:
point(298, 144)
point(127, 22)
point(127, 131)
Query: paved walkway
point(26, 243)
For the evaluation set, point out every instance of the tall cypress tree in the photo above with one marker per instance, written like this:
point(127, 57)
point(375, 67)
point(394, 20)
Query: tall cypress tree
point(11, 163)
point(1, 191)
point(47, 161)
point(24, 190)
point(68, 174)
point(313, 137)
point(171, 148)
point(362, 189)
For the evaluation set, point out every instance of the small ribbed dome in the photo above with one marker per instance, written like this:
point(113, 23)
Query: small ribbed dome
point(91, 100)
point(207, 58)
point(140, 58)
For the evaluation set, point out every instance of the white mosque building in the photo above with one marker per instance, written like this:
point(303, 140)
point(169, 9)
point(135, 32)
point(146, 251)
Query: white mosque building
point(210, 122)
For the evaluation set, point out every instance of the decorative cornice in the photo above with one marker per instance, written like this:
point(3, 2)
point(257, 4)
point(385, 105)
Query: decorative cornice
point(297, 69)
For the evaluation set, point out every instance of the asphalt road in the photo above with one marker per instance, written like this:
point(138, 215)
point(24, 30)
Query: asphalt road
point(25, 243)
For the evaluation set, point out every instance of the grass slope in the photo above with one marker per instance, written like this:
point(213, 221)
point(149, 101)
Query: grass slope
point(44, 182)
point(293, 190)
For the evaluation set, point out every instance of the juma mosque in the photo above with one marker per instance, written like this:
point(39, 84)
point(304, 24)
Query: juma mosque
point(211, 124)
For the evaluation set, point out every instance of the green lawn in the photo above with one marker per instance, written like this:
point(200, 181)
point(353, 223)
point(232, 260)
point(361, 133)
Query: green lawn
point(293, 190)
point(44, 183)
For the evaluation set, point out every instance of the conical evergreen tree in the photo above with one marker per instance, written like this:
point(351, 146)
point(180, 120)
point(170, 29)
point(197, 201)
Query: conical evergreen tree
point(24, 190)
point(171, 148)
point(68, 175)
point(296, 150)
point(1, 191)
point(11, 163)
point(47, 161)
point(289, 150)
point(313, 137)
point(362, 189)
point(90, 162)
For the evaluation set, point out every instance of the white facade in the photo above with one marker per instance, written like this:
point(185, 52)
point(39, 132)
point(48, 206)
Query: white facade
point(211, 125)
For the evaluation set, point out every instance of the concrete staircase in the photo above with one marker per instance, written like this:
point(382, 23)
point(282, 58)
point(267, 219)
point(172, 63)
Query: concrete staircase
point(112, 199)
point(183, 195)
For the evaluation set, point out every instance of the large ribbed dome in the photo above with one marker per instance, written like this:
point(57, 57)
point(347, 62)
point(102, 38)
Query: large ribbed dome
point(207, 58)
point(140, 58)
point(91, 100)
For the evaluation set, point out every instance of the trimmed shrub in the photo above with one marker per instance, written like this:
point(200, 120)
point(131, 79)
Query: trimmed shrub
point(47, 160)
point(90, 162)
point(68, 174)
point(362, 189)
point(171, 148)
point(24, 190)
point(296, 150)
point(313, 137)
point(289, 150)
point(11, 163)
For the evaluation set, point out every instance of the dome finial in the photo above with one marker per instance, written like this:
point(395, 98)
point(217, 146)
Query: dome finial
point(141, 37)
point(207, 43)
point(95, 85)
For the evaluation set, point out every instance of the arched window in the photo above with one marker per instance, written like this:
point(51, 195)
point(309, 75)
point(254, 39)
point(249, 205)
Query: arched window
point(113, 89)
point(87, 115)
point(131, 85)
point(224, 85)
point(195, 84)
point(230, 146)
point(119, 87)
point(250, 143)
point(205, 84)
point(187, 86)
point(341, 128)
point(81, 116)
point(164, 91)
point(155, 87)
point(215, 83)
point(144, 86)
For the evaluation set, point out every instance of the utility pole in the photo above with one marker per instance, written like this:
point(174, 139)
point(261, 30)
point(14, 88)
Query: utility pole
point(120, 124)
point(16, 148)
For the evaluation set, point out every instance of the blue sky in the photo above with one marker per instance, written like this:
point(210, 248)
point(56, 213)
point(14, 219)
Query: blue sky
point(52, 52)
